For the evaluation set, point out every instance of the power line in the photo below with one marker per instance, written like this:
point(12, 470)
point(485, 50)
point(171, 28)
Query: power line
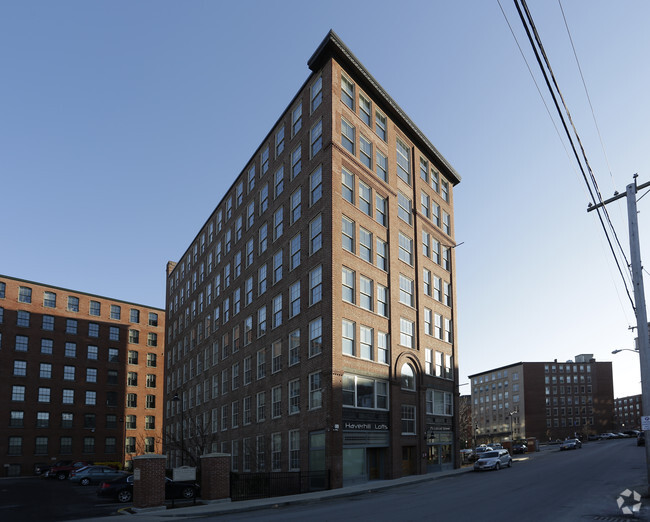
point(537, 52)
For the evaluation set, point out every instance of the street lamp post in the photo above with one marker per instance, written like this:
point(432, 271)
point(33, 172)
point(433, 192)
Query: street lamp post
point(511, 414)
point(177, 399)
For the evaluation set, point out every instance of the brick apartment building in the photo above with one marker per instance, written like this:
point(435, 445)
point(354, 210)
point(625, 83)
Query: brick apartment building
point(80, 377)
point(628, 412)
point(545, 400)
point(311, 320)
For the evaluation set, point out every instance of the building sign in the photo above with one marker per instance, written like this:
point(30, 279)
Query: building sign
point(184, 473)
point(365, 426)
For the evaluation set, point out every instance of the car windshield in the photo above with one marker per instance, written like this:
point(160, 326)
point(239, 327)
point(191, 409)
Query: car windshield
point(490, 455)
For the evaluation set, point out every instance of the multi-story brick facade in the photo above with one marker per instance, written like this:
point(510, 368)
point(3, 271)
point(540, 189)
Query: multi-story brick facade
point(545, 400)
point(311, 320)
point(628, 412)
point(81, 376)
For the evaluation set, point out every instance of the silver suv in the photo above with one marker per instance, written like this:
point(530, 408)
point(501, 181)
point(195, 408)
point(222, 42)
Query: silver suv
point(495, 459)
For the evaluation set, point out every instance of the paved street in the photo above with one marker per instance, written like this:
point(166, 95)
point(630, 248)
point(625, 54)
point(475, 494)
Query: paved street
point(552, 486)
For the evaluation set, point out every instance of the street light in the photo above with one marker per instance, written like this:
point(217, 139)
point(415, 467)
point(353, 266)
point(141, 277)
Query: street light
point(619, 350)
point(177, 399)
point(511, 414)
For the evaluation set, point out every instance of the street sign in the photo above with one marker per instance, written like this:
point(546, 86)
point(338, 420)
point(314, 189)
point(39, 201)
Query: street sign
point(645, 423)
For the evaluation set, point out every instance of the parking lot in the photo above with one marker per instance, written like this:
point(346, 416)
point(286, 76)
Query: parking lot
point(36, 498)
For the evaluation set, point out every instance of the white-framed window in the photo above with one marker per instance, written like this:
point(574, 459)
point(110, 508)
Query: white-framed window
point(347, 92)
point(382, 254)
point(347, 338)
point(316, 137)
point(277, 311)
point(403, 161)
point(365, 151)
point(382, 300)
point(347, 136)
point(428, 321)
point(406, 249)
point(315, 336)
point(315, 234)
point(294, 299)
point(348, 285)
point(439, 402)
point(296, 161)
point(315, 391)
point(406, 295)
point(366, 296)
point(364, 392)
point(279, 141)
point(294, 252)
point(381, 125)
point(406, 328)
point(296, 198)
point(381, 206)
point(264, 160)
point(316, 92)
point(404, 208)
point(316, 185)
point(347, 234)
point(316, 285)
point(381, 166)
point(278, 182)
point(294, 347)
point(296, 119)
point(294, 396)
point(408, 419)
point(366, 342)
point(347, 185)
point(365, 245)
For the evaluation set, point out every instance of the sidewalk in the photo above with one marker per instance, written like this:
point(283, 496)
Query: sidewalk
point(226, 506)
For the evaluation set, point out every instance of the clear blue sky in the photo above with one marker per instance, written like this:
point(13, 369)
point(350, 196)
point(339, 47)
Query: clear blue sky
point(122, 123)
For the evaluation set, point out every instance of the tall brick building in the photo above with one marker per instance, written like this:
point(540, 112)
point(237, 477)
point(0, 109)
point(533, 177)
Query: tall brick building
point(545, 400)
point(628, 412)
point(311, 321)
point(80, 377)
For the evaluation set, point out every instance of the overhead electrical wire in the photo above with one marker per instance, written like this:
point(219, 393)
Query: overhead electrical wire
point(526, 21)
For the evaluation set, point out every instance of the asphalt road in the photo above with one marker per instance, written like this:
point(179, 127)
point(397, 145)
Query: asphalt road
point(555, 486)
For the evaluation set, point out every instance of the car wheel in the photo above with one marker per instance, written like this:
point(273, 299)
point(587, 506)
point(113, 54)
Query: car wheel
point(187, 492)
point(61, 476)
point(497, 466)
point(510, 463)
point(124, 496)
point(84, 481)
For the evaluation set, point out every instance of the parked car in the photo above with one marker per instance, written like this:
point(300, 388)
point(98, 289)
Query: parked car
point(494, 459)
point(95, 475)
point(61, 472)
point(41, 468)
point(121, 489)
point(519, 447)
point(478, 452)
point(640, 439)
point(593, 437)
point(570, 444)
point(631, 433)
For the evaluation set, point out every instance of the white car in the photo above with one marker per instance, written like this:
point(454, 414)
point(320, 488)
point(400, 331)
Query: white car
point(495, 459)
point(570, 444)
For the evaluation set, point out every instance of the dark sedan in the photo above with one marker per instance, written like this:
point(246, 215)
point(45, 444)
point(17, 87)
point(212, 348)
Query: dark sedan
point(121, 489)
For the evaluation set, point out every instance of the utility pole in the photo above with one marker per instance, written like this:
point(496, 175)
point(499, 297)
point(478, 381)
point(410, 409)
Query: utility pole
point(639, 298)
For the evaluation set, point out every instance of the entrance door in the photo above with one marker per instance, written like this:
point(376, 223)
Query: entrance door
point(408, 460)
point(375, 458)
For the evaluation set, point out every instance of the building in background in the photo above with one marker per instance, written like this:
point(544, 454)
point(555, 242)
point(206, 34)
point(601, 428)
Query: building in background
point(545, 400)
point(311, 320)
point(80, 377)
point(628, 412)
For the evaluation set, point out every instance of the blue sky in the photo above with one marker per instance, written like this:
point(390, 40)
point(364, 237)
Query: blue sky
point(123, 123)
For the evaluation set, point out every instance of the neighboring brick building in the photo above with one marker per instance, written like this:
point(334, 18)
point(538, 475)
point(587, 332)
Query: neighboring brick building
point(310, 321)
point(545, 400)
point(80, 375)
point(628, 412)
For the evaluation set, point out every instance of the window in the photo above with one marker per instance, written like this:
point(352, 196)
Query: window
point(347, 186)
point(347, 285)
point(347, 340)
point(428, 326)
point(447, 293)
point(16, 420)
point(296, 162)
point(439, 402)
point(315, 337)
point(365, 110)
point(261, 321)
point(264, 200)
point(91, 398)
point(316, 137)
point(408, 419)
point(91, 374)
point(49, 300)
point(403, 162)
point(365, 151)
point(20, 368)
point(116, 312)
point(316, 93)
point(362, 392)
point(434, 179)
point(277, 311)
point(277, 266)
point(295, 206)
point(276, 451)
point(276, 356)
point(15, 446)
point(315, 391)
point(446, 223)
point(406, 291)
point(381, 205)
point(347, 92)
point(382, 347)
point(153, 319)
point(406, 333)
point(150, 402)
point(366, 336)
point(315, 234)
point(435, 214)
point(133, 357)
point(17, 393)
point(347, 136)
point(294, 347)
point(71, 326)
point(22, 343)
point(89, 445)
point(261, 406)
point(113, 333)
point(424, 204)
point(407, 377)
point(152, 339)
point(380, 125)
point(347, 234)
point(279, 141)
point(134, 336)
point(3, 287)
point(22, 318)
point(294, 397)
point(445, 189)
point(366, 297)
point(278, 182)
point(132, 379)
point(382, 300)
point(296, 119)
point(426, 281)
point(45, 371)
point(24, 294)
point(406, 249)
point(46, 346)
point(264, 160)
point(381, 166)
point(316, 185)
point(151, 380)
point(68, 396)
point(70, 349)
point(48, 321)
point(294, 299)
point(404, 208)
point(316, 285)
point(382, 255)
point(92, 352)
